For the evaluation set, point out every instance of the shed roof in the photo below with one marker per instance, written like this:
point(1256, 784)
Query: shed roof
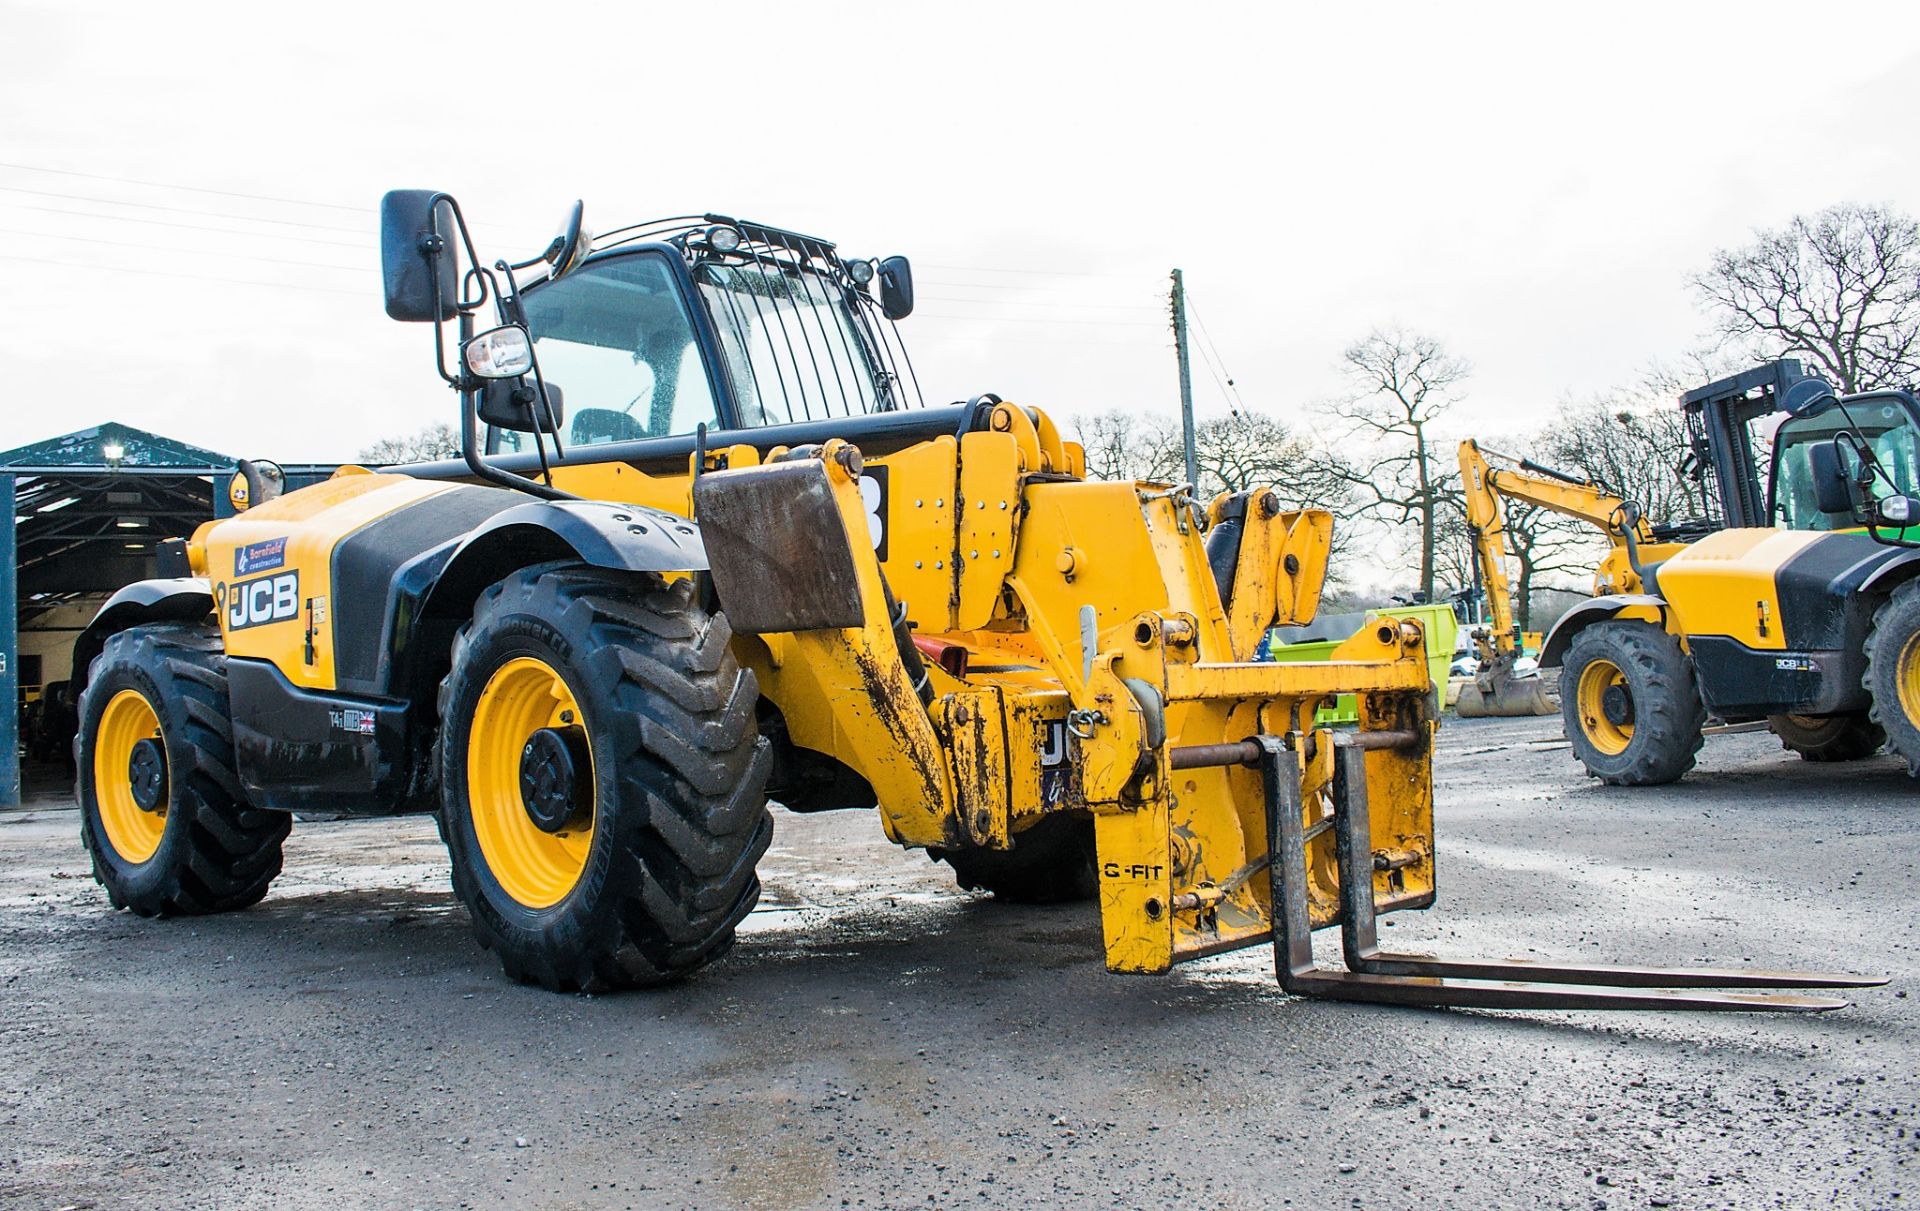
point(85, 449)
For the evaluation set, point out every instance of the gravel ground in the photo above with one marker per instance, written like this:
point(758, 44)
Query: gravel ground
point(878, 1039)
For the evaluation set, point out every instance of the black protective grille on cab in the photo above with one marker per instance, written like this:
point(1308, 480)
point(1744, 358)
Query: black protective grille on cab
point(365, 561)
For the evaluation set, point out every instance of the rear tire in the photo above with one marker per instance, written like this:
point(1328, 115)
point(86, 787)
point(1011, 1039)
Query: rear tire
point(199, 847)
point(646, 880)
point(1632, 711)
point(1828, 737)
point(1892, 679)
point(1050, 863)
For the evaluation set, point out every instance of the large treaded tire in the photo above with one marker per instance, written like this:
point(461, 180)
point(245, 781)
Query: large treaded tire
point(1828, 738)
point(217, 852)
point(1667, 712)
point(1050, 863)
point(1892, 679)
point(679, 771)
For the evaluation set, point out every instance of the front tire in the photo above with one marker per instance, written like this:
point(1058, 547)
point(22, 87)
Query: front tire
point(1828, 737)
point(1892, 679)
point(161, 813)
point(603, 781)
point(1632, 711)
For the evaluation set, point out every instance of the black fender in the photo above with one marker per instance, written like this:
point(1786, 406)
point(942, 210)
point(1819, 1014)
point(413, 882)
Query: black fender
point(1584, 615)
point(627, 538)
point(181, 599)
point(1892, 574)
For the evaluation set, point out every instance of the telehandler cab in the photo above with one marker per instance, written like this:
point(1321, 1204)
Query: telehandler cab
point(755, 563)
point(1796, 602)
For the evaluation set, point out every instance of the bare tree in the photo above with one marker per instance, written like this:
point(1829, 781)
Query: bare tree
point(1128, 445)
point(1249, 449)
point(1453, 555)
point(1245, 449)
point(1112, 444)
point(436, 441)
point(1840, 288)
point(1403, 381)
point(1634, 447)
point(1543, 544)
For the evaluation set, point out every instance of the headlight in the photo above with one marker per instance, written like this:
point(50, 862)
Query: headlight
point(860, 271)
point(504, 352)
point(724, 239)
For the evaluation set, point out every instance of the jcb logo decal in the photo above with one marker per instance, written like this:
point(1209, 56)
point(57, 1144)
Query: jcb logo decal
point(252, 603)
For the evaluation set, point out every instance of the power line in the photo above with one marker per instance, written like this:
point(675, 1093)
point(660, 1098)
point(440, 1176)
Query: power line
point(191, 277)
point(211, 214)
point(1050, 273)
point(1235, 402)
point(226, 231)
point(238, 256)
point(224, 193)
point(1019, 319)
point(936, 335)
point(1011, 302)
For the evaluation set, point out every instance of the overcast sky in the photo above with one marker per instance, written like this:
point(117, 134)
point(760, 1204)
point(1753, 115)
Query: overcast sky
point(1531, 183)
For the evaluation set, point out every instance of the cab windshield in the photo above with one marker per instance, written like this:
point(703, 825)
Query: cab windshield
point(794, 338)
point(792, 349)
point(1890, 434)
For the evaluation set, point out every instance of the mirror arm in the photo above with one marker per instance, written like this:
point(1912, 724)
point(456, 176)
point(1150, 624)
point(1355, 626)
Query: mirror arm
point(513, 312)
point(470, 452)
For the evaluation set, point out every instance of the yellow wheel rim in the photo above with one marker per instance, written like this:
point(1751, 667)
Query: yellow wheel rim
point(535, 867)
point(133, 831)
point(1908, 673)
point(1606, 735)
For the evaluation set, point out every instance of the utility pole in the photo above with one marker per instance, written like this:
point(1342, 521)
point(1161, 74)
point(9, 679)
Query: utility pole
point(1186, 378)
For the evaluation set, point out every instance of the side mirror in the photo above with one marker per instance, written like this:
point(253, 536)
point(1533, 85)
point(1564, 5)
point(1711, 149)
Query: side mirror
point(896, 288)
point(1806, 395)
point(571, 245)
point(1832, 486)
point(417, 262)
point(514, 403)
point(255, 482)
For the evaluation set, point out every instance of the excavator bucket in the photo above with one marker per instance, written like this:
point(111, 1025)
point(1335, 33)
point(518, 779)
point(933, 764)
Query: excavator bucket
point(1498, 692)
point(1503, 698)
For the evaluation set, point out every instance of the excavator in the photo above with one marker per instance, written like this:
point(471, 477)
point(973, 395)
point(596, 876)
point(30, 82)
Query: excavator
point(1498, 688)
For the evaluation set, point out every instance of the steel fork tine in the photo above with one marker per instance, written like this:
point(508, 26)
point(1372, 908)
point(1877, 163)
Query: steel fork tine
point(1379, 977)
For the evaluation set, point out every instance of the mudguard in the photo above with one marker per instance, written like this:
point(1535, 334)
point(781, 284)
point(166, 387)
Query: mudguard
point(181, 599)
point(1892, 574)
point(628, 538)
point(1584, 615)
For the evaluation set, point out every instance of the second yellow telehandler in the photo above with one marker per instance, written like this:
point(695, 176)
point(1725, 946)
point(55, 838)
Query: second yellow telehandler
point(1797, 604)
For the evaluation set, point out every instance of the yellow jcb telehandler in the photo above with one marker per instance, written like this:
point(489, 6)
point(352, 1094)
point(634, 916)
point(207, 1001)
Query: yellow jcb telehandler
point(1796, 602)
point(755, 564)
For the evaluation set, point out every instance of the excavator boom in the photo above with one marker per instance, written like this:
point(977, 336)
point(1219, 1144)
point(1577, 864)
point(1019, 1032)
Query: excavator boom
point(1498, 690)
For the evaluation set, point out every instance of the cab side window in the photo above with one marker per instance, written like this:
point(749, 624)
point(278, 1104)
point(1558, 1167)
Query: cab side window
point(615, 336)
